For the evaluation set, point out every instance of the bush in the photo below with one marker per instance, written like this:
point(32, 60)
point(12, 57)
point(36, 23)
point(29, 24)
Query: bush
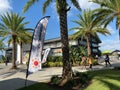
point(2, 61)
point(95, 62)
point(71, 83)
point(54, 59)
point(79, 79)
point(55, 80)
point(83, 78)
point(117, 68)
point(58, 64)
point(51, 64)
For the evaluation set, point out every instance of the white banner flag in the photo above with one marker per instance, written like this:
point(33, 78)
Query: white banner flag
point(46, 52)
point(37, 46)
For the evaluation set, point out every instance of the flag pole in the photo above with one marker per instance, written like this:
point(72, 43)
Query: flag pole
point(28, 64)
point(29, 60)
point(26, 82)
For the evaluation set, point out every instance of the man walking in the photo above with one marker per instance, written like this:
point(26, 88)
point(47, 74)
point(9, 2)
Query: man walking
point(107, 60)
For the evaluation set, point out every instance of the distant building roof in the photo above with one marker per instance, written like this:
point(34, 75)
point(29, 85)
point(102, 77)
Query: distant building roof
point(97, 39)
point(52, 40)
point(118, 51)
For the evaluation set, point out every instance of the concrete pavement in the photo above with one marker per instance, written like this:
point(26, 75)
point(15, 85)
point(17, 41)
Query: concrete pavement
point(14, 79)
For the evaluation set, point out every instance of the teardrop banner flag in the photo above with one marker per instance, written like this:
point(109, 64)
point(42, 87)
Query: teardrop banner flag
point(34, 63)
point(46, 52)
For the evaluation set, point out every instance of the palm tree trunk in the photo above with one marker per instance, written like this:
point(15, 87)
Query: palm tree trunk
point(88, 45)
point(13, 53)
point(21, 53)
point(67, 70)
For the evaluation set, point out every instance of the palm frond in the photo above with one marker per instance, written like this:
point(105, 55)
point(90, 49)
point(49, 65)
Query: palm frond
point(76, 4)
point(9, 41)
point(29, 3)
point(89, 24)
point(110, 10)
point(13, 24)
point(46, 4)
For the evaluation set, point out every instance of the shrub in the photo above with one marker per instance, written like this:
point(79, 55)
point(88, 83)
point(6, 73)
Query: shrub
point(55, 80)
point(2, 61)
point(83, 78)
point(75, 54)
point(45, 64)
point(95, 62)
point(53, 61)
point(80, 79)
point(71, 83)
point(58, 64)
point(54, 58)
point(51, 64)
point(117, 68)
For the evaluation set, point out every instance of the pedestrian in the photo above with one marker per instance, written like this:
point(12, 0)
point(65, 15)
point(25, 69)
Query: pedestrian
point(90, 61)
point(6, 61)
point(83, 62)
point(107, 60)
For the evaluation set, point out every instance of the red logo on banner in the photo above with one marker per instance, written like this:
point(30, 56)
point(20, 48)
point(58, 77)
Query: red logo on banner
point(35, 63)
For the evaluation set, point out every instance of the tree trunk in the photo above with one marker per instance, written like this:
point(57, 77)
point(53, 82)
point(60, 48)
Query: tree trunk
point(88, 45)
point(14, 53)
point(21, 53)
point(67, 70)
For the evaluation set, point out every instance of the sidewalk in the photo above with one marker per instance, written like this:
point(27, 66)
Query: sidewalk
point(14, 79)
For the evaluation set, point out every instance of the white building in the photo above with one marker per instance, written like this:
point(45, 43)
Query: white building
point(55, 45)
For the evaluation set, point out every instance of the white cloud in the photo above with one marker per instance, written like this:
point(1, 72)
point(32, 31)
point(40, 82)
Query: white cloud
point(69, 13)
point(112, 31)
point(5, 6)
point(85, 4)
point(108, 43)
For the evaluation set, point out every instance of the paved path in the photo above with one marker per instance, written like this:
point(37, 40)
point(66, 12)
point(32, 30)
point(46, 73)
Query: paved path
point(14, 79)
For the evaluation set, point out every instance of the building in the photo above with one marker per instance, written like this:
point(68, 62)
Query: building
point(116, 54)
point(55, 45)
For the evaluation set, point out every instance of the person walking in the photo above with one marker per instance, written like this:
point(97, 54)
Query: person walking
point(107, 60)
point(83, 61)
point(90, 62)
point(6, 62)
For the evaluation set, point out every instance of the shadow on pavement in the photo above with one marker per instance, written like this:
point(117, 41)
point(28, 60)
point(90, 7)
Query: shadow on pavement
point(8, 73)
point(15, 83)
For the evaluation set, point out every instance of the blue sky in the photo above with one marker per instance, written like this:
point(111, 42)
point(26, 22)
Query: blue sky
point(34, 14)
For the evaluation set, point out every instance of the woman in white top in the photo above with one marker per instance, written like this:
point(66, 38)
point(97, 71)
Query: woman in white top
point(83, 62)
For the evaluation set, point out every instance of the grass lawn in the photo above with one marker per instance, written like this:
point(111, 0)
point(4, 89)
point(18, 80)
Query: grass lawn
point(101, 80)
point(105, 80)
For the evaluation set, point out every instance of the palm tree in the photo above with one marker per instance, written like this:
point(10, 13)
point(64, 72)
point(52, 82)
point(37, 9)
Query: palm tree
point(88, 28)
point(62, 8)
point(11, 28)
point(109, 10)
point(24, 38)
